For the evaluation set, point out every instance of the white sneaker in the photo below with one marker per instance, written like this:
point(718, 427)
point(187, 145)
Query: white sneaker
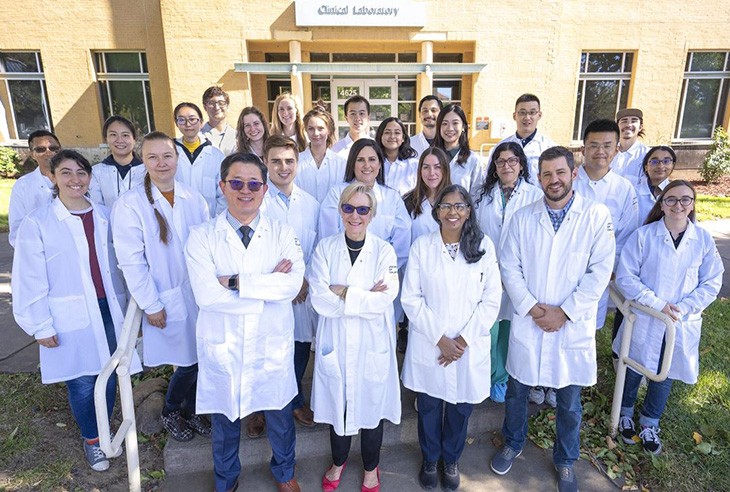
point(537, 395)
point(551, 397)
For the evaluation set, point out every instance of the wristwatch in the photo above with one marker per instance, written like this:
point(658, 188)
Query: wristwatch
point(233, 282)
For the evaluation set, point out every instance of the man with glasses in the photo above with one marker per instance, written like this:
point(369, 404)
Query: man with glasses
point(217, 130)
point(34, 189)
point(428, 111)
point(245, 270)
point(598, 182)
point(527, 114)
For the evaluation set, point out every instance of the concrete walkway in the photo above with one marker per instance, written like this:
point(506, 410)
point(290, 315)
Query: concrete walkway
point(720, 230)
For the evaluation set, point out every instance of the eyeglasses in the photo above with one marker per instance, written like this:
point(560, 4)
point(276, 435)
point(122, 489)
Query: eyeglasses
point(459, 207)
point(672, 201)
point(216, 104)
point(667, 161)
point(189, 121)
point(604, 147)
point(524, 113)
point(42, 150)
point(237, 185)
point(348, 209)
point(512, 161)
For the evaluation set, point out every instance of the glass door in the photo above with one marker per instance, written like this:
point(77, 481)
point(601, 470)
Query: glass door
point(342, 91)
point(382, 95)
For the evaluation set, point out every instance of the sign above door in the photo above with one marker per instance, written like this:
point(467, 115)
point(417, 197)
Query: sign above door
point(360, 13)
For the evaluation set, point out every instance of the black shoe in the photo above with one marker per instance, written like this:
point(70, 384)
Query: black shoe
point(200, 424)
point(451, 478)
point(428, 478)
point(402, 341)
point(176, 426)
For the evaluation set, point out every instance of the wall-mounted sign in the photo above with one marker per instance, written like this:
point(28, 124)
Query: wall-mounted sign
point(483, 123)
point(363, 13)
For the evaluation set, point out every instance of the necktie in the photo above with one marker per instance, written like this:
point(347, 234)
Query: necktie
point(246, 231)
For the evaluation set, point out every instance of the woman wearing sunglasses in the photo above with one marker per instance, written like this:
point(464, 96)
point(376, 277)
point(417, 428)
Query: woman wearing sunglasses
point(151, 224)
point(199, 162)
point(353, 283)
point(401, 163)
point(657, 167)
point(671, 265)
point(451, 295)
point(505, 190)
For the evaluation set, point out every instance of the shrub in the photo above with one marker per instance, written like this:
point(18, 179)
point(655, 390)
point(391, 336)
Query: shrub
point(9, 160)
point(717, 159)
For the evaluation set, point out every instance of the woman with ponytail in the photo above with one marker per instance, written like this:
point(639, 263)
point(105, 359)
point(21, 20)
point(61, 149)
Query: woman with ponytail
point(151, 224)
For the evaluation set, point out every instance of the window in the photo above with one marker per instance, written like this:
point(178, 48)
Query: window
point(321, 90)
point(124, 84)
point(448, 57)
point(23, 94)
point(274, 87)
point(447, 90)
point(704, 94)
point(603, 87)
point(276, 57)
point(407, 104)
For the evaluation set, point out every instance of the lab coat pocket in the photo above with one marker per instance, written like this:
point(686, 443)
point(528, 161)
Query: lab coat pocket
point(328, 363)
point(577, 265)
point(580, 336)
point(68, 313)
point(475, 286)
point(480, 351)
point(424, 353)
point(377, 365)
point(217, 355)
point(174, 304)
point(277, 349)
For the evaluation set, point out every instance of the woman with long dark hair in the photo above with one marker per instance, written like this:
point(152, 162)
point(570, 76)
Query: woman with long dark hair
point(252, 131)
point(433, 176)
point(401, 161)
point(656, 168)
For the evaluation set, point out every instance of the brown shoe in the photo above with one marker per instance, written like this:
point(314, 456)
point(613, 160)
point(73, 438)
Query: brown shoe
point(304, 416)
point(256, 425)
point(290, 486)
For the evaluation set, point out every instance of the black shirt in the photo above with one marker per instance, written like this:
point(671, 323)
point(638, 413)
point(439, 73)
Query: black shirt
point(354, 248)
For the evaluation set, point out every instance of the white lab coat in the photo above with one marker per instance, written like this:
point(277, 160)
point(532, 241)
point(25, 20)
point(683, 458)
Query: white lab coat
point(419, 143)
point(245, 338)
point(225, 142)
point(29, 192)
point(569, 269)
point(355, 370)
point(493, 220)
point(471, 174)
point(317, 181)
point(391, 222)
point(424, 223)
point(449, 297)
point(342, 146)
point(645, 197)
point(203, 175)
point(534, 148)
point(653, 272)
point(155, 273)
point(301, 215)
point(53, 293)
point(628, 163)
point(107, 185)
point(401, 174)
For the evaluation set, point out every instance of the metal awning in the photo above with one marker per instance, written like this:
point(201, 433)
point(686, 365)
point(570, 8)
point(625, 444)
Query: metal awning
point(282, 68)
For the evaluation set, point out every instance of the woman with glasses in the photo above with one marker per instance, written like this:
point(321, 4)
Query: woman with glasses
point(671, 265)
point(151, 224)
point(453, 138)
point(401, 163)
point(286, 119)
point(199, 162)
point(253, 130)
point(451, 295)
point(320, 168)
point(505, 190)
point(432, 177)
point(657, 167)
point(216, 129)
point(354, 280)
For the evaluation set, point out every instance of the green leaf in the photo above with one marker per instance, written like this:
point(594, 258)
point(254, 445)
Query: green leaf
point(704, 448)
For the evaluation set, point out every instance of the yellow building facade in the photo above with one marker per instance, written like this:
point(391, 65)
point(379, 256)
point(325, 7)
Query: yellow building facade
point(68, 65)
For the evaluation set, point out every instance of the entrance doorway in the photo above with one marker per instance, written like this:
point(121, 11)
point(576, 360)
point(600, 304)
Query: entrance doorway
point(382, 94)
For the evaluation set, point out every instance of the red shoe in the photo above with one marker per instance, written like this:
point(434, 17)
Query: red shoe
point(372, 489)
point(330, 485)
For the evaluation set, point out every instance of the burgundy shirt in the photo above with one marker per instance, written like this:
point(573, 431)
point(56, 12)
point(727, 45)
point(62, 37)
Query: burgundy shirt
point(87, 218)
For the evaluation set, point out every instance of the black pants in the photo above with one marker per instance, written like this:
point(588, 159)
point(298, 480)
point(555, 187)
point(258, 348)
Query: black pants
point(617, 320)
point(370, 442)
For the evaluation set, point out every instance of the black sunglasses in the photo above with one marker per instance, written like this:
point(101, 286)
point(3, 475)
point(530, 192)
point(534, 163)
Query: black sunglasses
point(348, 209)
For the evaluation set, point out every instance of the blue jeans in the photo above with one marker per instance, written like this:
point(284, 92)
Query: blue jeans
point(301, 359)
point(227, 437)
point(567, 421)
point(442, 431)
point(181, 391)
point(81, 389)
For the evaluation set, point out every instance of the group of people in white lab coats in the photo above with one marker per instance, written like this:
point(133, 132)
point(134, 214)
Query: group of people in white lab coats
point(244, 264)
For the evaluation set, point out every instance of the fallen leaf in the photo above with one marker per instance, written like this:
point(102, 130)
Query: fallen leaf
point(703, 448)
point(470, 440)
point(60, 424)
point(697, 437)
point(497, 441)
point(551, 417)
point(610, 443)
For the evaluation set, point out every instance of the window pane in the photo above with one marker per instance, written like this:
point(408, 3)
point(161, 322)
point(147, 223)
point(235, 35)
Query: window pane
point(604, 62)
point(341, 113)
point(319, 57)
point(276, 57)
point(578, 105)
point(128, 101)
point(27, 99)
point(407, 112)
point(699, 108)
point(363, 57)
point(380, 92)
point(624, 94)
point(707, 62)
point(144, 62)
point(447, 90)
point(277, 87)
point(406, 91)
point(448, 57)
point(148, 93)
point(628, 62)
point(345, 92)
point(599, 100)
point(122, 63)
point(583, 58)
point(379, 112)
point(321, 90)
point(407, 57)
point(18, 62)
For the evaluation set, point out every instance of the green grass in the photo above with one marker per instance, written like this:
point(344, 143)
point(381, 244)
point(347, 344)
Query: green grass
point(712, 207)
point(6, 184)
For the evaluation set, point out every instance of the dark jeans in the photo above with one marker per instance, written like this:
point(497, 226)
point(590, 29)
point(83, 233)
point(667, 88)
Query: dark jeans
point(656, 396)
point(301, 359)
point(226, 439)
point(442, 431)
point(370, 442)
point(181, 391)
point(81, 389)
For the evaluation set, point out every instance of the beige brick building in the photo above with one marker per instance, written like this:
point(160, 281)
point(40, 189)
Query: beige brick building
point(67, 65)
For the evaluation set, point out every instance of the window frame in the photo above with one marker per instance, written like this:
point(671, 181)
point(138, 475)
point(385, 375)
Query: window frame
point(39, 76)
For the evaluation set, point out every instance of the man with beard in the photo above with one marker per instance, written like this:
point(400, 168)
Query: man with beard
point(428, 110)
point(556, 262)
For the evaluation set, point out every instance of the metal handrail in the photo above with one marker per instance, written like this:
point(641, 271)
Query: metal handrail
point(121, 360)
point(627, 307)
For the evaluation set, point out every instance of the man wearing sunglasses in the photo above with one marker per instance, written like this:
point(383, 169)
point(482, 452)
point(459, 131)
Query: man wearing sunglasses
point(34, 189)
point(245, 270)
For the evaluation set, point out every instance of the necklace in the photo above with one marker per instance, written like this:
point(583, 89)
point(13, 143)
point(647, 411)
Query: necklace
point(354, 249)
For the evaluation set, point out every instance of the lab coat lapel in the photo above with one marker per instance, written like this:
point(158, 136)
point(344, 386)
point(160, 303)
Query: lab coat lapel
point(257, 247)
point(226, 234)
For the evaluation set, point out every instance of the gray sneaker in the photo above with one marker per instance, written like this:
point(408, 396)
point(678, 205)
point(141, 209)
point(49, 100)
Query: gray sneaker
point(96, 457)
point(551, 397)
point(627, 430)
point(537, 395)
point(567, 481)
point(502, 461)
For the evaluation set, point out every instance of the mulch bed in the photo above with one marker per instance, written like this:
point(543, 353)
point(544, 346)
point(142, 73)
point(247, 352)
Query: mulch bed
point(721, 188)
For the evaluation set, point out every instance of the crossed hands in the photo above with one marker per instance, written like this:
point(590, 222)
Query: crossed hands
point(284, 266)
point(451, 349)
point(339, 290)
point(549, 318)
